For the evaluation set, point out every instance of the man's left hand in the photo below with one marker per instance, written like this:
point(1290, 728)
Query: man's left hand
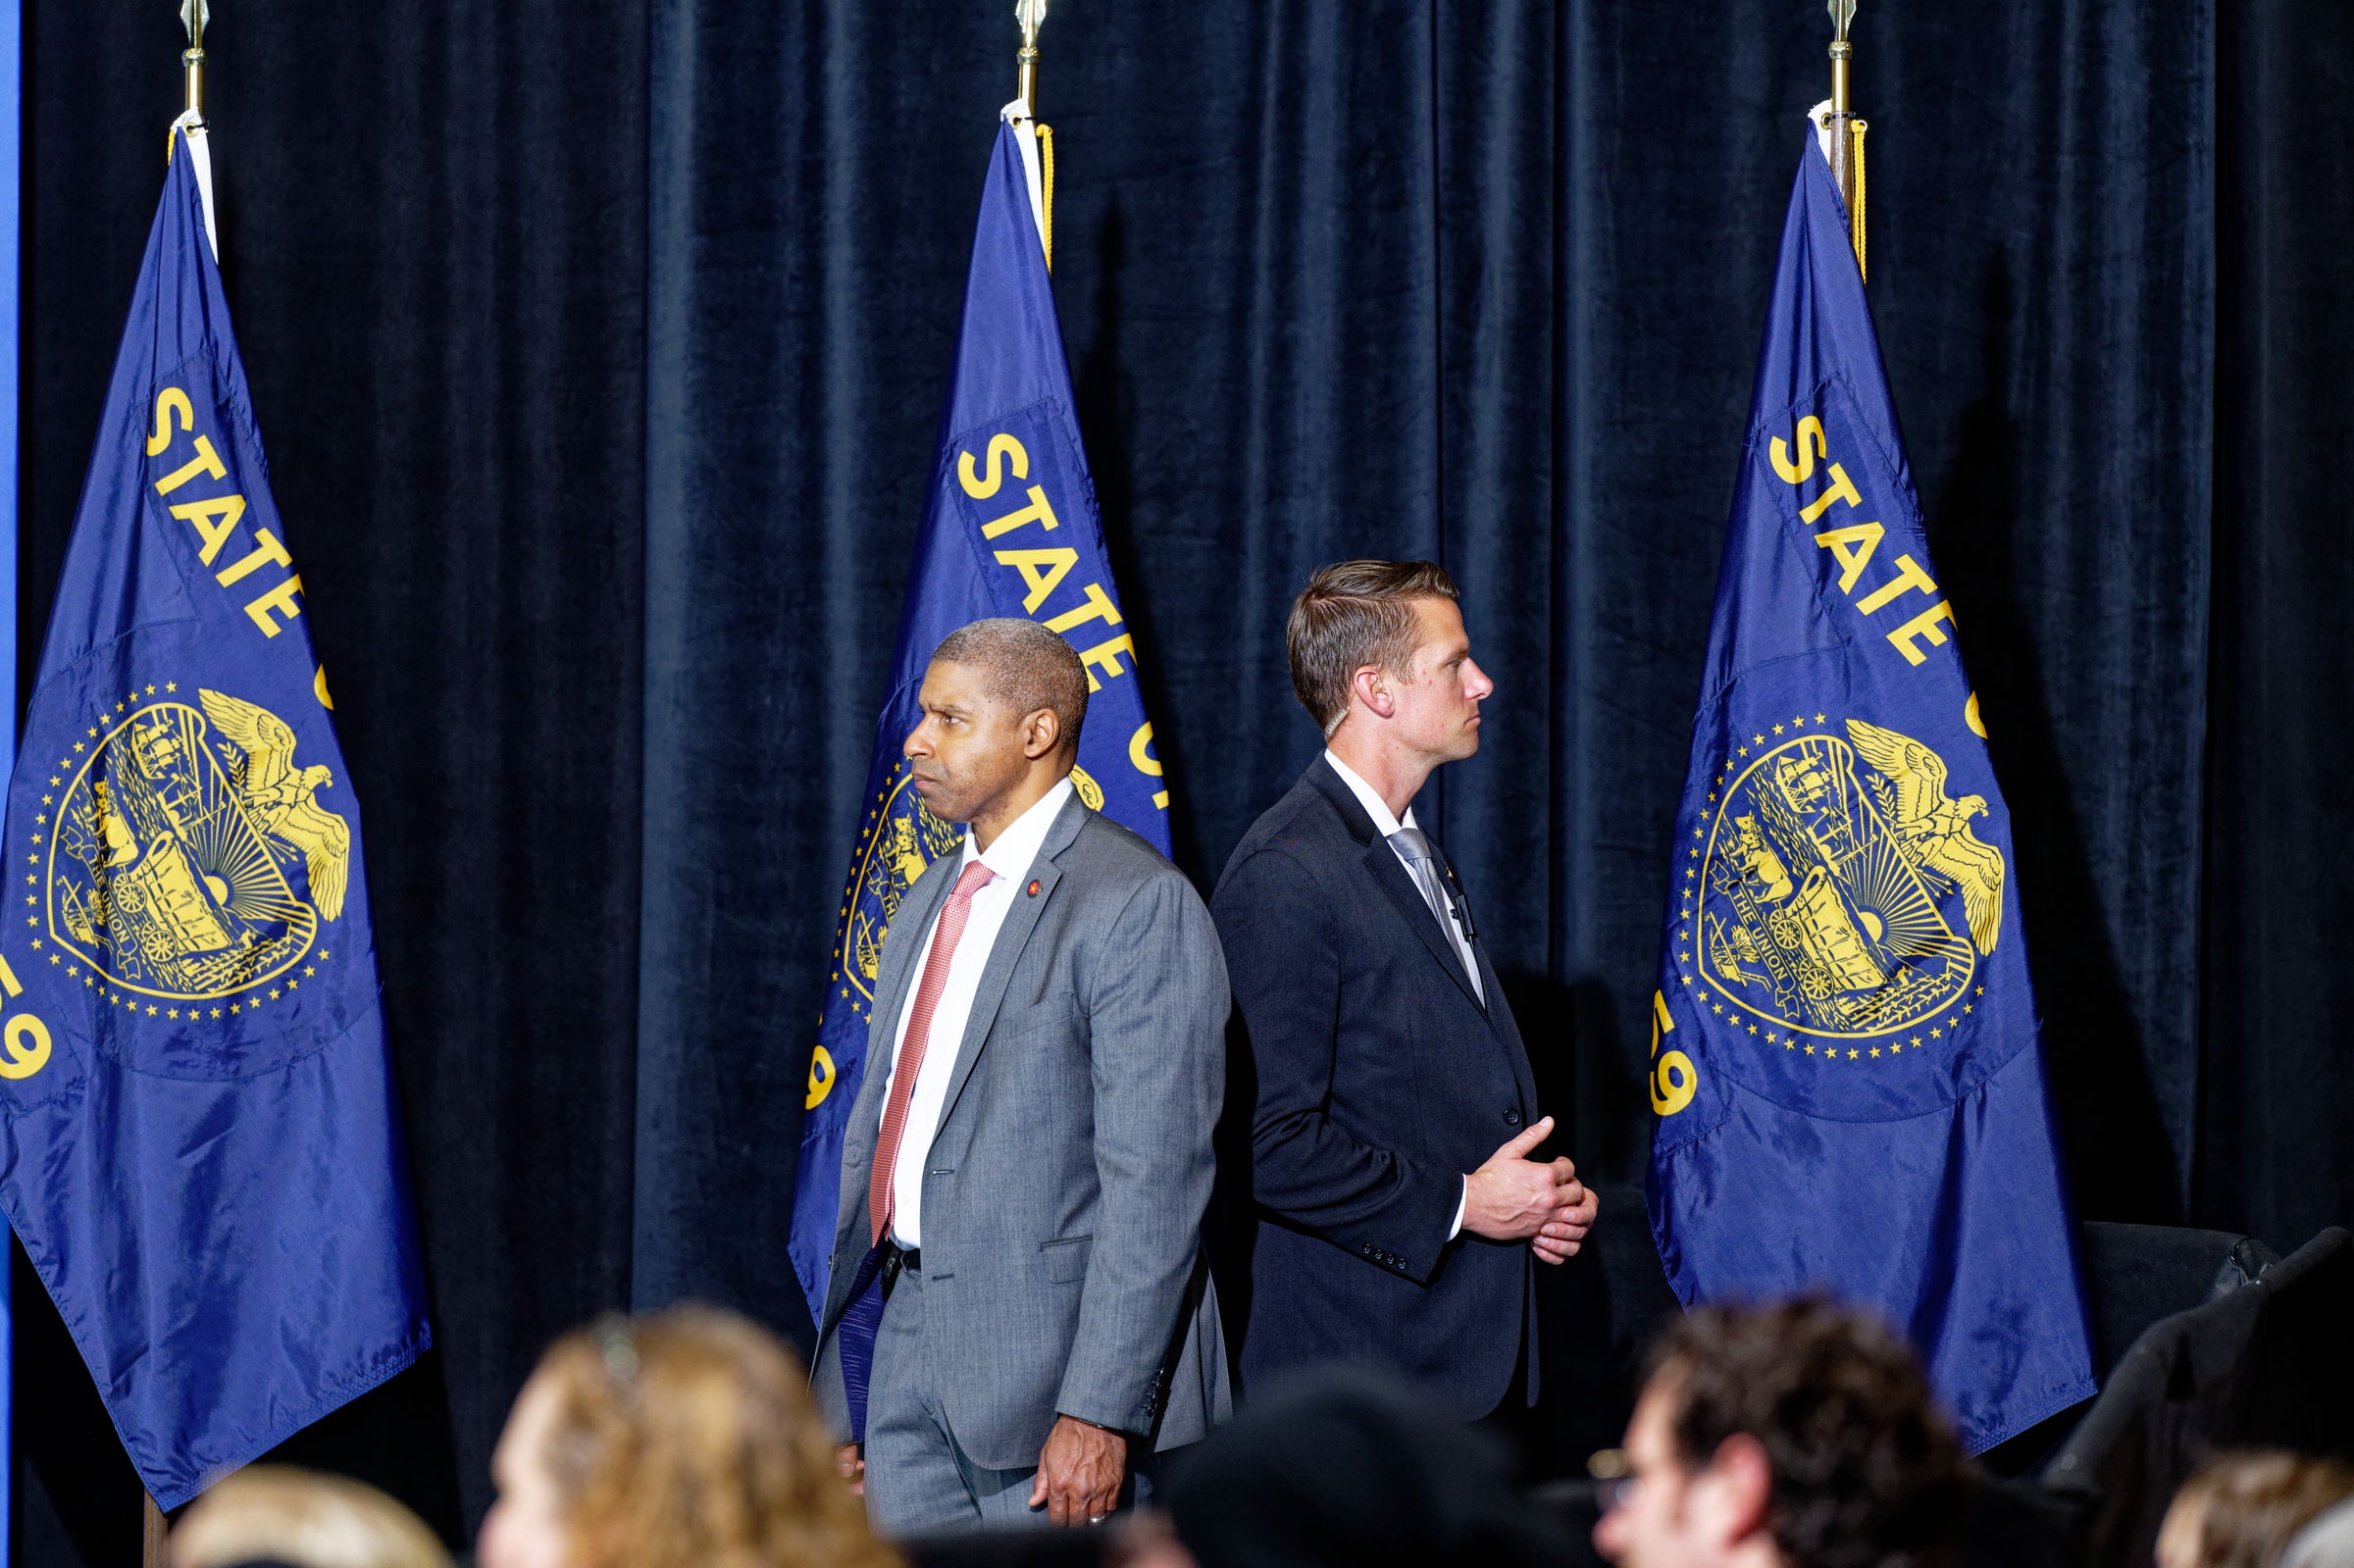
point(1567, 1226)
point(1079, 1473)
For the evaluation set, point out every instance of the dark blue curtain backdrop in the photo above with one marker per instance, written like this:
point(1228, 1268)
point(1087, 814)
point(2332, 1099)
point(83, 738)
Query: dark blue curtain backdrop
point(599, 347)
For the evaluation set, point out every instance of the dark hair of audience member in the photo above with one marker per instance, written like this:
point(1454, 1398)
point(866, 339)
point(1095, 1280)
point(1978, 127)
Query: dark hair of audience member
point(2241, 1509)
point(1867, 1472)
point(687, 1440)
point(1344, 1466)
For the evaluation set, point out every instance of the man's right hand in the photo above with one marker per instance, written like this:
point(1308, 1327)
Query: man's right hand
point(853, 1465)
point(1511, 1197)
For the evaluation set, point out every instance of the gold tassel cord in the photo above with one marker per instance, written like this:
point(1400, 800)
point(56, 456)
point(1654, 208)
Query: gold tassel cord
point(1855, 129)
point(1046, 160)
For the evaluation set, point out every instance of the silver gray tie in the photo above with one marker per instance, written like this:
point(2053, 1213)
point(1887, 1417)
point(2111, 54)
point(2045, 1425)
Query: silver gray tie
point(1422, 864)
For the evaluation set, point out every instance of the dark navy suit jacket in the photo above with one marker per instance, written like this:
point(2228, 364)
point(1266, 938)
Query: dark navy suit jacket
point(1372, 1079)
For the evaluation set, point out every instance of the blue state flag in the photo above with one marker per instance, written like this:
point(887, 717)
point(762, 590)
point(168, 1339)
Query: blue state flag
point(1845, 1066)
point(198, 1134)
point(1011, 529)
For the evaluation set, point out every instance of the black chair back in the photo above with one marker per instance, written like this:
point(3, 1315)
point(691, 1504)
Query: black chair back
point(2268, 1364)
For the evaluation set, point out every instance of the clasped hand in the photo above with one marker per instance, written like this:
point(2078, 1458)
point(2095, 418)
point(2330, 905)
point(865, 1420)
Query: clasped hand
point(1513, 1197)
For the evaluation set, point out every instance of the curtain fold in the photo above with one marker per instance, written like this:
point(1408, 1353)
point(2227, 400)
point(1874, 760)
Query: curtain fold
point(810, 217)
point(2272, 1096)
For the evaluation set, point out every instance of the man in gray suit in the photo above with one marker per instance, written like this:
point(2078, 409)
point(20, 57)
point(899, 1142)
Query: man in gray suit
point(1029, 1160)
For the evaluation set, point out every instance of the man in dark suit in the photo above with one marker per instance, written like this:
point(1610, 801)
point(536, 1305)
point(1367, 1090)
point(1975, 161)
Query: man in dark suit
point(1396, 1211)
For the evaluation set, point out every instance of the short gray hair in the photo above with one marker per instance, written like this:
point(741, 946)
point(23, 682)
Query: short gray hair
point(1028, 668)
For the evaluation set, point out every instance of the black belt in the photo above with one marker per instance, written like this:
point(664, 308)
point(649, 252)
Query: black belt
point(896, 1258)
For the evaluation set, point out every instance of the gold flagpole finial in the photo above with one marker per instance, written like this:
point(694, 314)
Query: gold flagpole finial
point(193, 14)
point(1029, 15)
point(1843, 14)
point(1846, 126)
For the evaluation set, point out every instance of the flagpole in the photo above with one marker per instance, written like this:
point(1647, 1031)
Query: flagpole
point(194, 13)
point(1028, 14)
point(154, 1552)
point(154, 1531)
point(1846, 126)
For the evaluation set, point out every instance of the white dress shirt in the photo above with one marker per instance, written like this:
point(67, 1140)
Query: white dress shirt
point(1008, 856)
point(1385, 825)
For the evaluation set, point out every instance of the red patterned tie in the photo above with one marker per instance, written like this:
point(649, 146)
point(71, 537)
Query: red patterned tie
point(960, 907)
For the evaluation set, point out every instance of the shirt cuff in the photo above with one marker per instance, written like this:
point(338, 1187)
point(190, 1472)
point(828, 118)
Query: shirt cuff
point(1461, 1203)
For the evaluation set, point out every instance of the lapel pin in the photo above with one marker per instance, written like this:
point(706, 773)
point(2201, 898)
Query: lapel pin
point(1034, 887)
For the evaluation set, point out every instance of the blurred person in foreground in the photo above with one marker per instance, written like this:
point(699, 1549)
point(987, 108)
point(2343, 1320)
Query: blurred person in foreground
point(2327, 1542)
point(1797, 1436)
point(681, 1439)
point(2243, 1510)
point(277, 1514)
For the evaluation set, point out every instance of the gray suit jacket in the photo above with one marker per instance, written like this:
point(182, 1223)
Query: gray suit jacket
point(1066, 1188)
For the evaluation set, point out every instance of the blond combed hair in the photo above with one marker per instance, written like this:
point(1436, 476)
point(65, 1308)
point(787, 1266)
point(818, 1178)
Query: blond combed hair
point(278, 1513)
point(1351, 615)
point(685, 1440)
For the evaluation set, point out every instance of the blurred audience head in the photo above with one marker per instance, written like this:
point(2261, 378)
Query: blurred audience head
point(1347, 1467)
point(2243, 1510)
point(681, 1439)
point(300, 1519)
point(2327, 1542)
point(1801, 1435)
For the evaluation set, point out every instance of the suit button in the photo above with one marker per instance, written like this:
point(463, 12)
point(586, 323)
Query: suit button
point(1511, 1118)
